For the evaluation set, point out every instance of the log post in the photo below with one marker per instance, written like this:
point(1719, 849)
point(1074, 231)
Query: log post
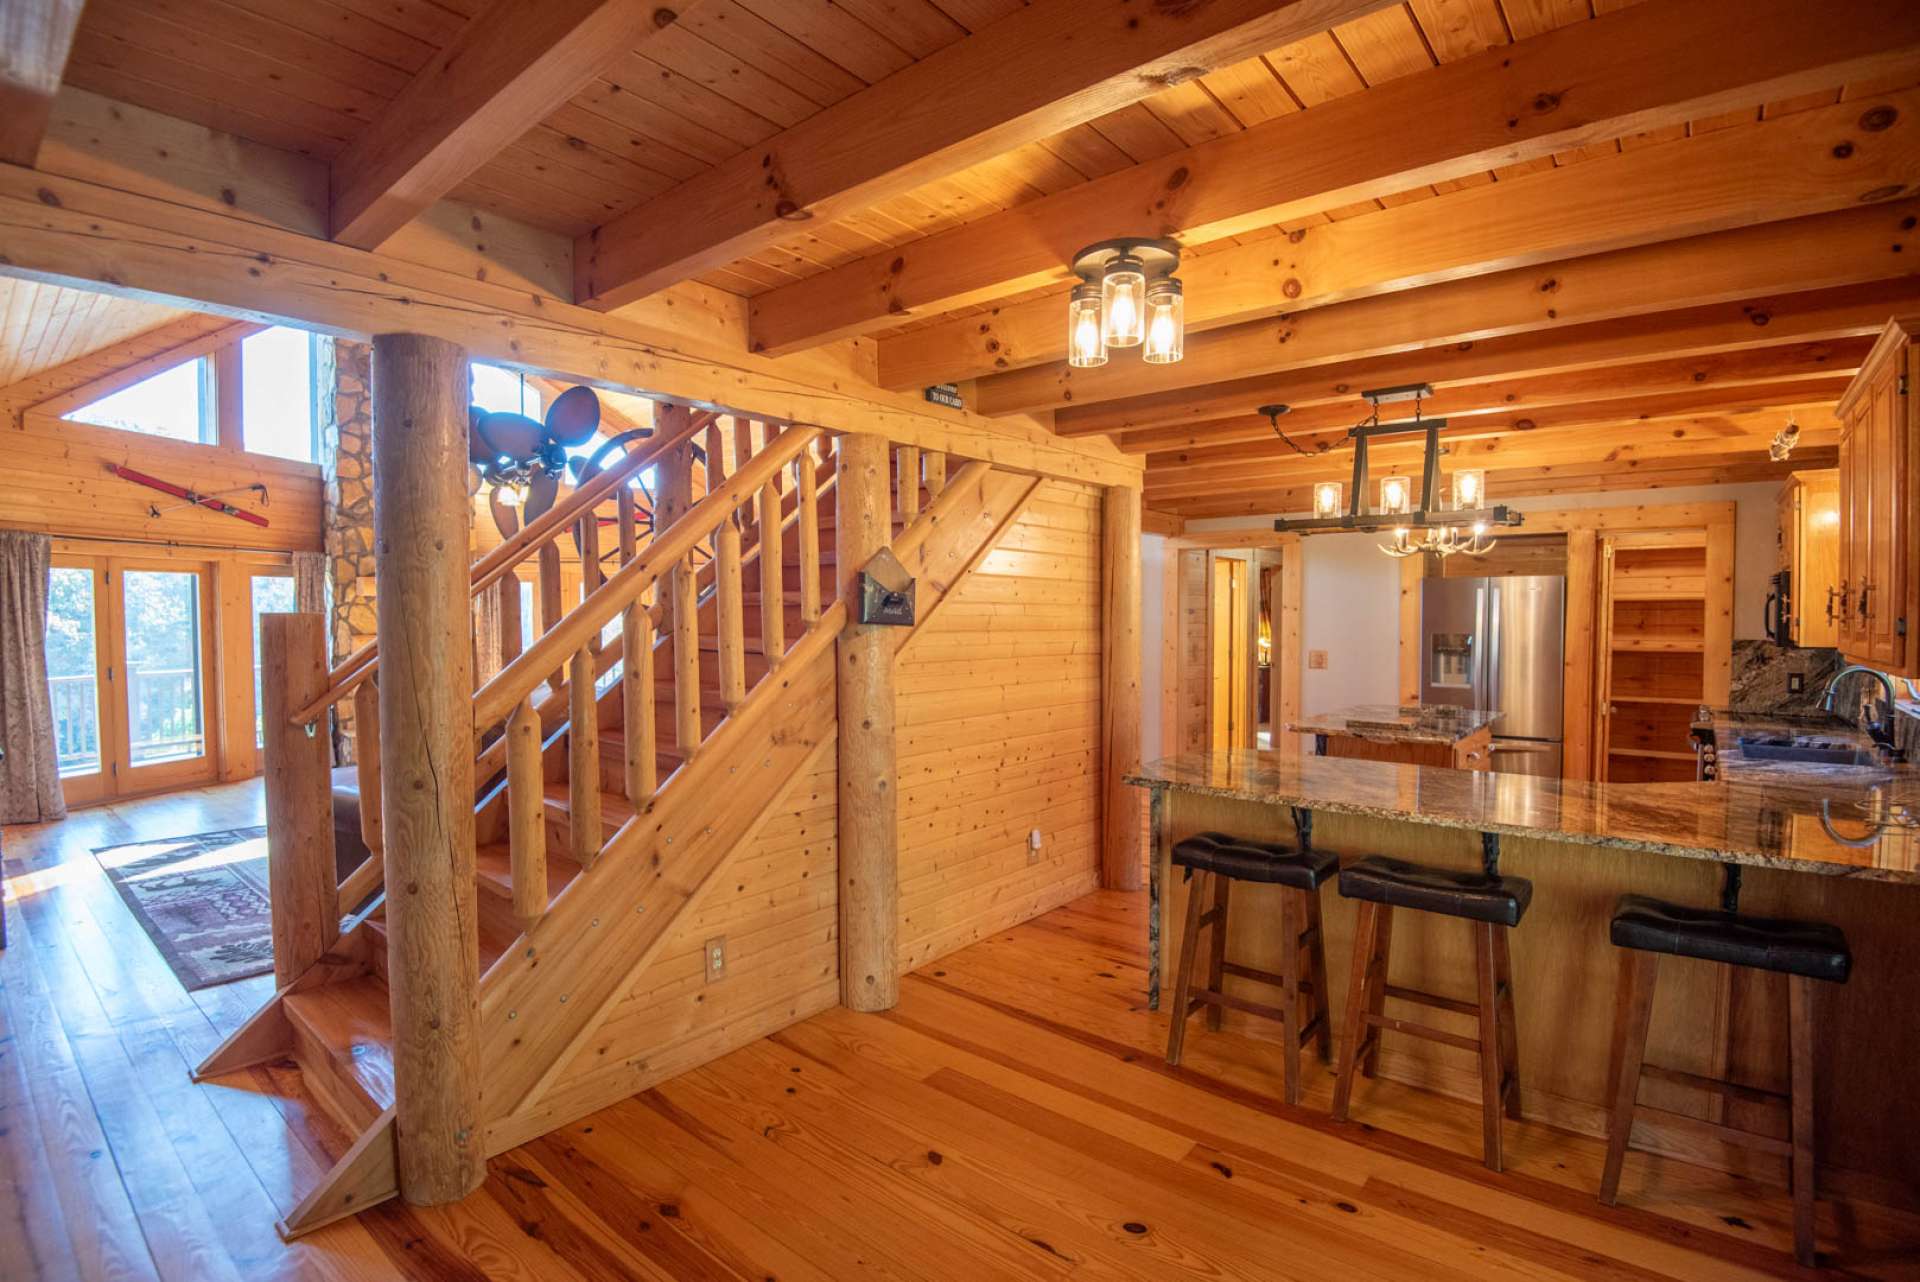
point(869, 793)
point(421, 516)
point(301, 877)
point(1121, 866)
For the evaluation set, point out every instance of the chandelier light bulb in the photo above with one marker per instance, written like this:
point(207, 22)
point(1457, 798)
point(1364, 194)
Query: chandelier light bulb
point(1123, 288)
point(1326, 499)
point(1396, 495)
point(1469, 489)
point(1086, 343)
point(1166, 323)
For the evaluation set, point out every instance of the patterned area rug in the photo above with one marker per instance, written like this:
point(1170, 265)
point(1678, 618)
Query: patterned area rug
point(203, 901)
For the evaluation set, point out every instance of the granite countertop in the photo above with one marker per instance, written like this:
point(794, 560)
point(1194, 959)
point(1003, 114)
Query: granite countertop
point(1398, 723)
point(1860, 827)
point(1804, 729)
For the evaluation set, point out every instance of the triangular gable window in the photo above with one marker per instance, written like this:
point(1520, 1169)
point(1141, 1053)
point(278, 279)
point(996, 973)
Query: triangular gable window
point(176, 403)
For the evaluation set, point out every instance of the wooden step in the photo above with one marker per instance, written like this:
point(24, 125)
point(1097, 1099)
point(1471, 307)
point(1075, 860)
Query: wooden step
point(613, 758)
point(493, 867)
point(496, 936)
point(342, 1039)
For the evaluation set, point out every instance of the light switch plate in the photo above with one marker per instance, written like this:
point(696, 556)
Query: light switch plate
point(1316, 658)
point(715, 952)
point(1033, 846)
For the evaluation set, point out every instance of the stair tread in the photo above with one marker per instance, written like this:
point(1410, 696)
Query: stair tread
point(351, 1019)
point(493, 864)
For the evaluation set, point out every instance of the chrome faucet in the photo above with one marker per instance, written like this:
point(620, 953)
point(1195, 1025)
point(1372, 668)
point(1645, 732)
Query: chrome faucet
point(1881, 732)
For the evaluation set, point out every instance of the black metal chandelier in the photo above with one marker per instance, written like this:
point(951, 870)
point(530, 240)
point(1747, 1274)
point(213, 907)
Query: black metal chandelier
point(1459, 527)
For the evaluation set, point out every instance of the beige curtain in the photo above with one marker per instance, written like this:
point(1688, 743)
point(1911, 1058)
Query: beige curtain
point(29, 773)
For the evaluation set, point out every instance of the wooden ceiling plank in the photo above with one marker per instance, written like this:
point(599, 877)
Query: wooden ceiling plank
point(1384, 46)
point(1044, 68)
point(724, 72)
point(1712, 334)
point(1137, 132)
point(230, 29)
point(1469, 406)
point(1779, 170)
point(514, 64)
point(1316, 69)
point(759, 43)
point(1528, 18)
point(1851, 246)
point(670, 91)
point(616, 138)
point(35, 38)
point(975, 14)
point(1457, 29)
point(337, 23)
point(920, 28)
point(435, 24)
point(833, 33)
point(1636, 73)
point(1251, 91)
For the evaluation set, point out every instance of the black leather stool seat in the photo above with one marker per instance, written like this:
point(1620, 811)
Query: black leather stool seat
point(1473, 895)
point(1809, 948)
point(1246, 860)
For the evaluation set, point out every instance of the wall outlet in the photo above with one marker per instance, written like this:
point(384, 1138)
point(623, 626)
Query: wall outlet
point(1796, 682)
point(1033, 846)
point(1316, 658)
point(716, 955)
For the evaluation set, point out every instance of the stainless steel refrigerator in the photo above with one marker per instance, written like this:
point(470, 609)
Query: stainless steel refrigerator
point(1497, 644)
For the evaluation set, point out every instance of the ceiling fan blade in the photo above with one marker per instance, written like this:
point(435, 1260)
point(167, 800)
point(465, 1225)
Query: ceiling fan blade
point(574, 416)
point(510, 435)
point(542, 489)
point(505, 518)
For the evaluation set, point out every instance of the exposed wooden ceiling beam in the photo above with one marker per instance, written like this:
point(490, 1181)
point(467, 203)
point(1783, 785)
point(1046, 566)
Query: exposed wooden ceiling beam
point(35, 38)
point(1042, 69)
point(509, 68)
point(1806, 163)
point(1636, 70)
point(1847, 247)
point(1470, 407)
point(1679, 421)
point(71, 232)
point(1710, 334)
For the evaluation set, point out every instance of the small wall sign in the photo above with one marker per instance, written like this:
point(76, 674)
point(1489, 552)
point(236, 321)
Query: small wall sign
point(947, 394)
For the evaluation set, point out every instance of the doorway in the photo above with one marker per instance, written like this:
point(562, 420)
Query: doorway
point(1230, 659)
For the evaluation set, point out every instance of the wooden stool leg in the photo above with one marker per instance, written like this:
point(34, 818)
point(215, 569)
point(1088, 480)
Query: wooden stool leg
point(1355, 1025)
point(1800, 1058)
point(1183, 982)
point(1322, 1006)
point(1290, 999)
point(1217, 951)
point(1377, 993)
point(1483, 965)
point(1509, 1030)
point(1633, 1009)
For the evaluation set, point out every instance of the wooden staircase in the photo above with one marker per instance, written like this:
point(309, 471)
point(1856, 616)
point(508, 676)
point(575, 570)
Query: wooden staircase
point(543, 885)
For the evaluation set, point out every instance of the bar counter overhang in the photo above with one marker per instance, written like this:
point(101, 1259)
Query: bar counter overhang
point(1841, 848)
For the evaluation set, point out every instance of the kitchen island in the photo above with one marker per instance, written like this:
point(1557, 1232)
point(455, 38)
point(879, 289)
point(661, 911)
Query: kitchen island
point(1418, 735)
point(1839, 847)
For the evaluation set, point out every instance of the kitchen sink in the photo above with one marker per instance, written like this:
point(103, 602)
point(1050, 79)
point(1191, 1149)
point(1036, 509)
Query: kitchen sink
point(1808, 753)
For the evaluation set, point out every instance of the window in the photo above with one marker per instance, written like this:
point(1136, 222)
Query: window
point(72, 650)
point(277, 396)
point(271, 594)
point(175, 403)
point(499, 390)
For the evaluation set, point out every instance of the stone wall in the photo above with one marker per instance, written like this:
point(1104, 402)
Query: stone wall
point(345, 370)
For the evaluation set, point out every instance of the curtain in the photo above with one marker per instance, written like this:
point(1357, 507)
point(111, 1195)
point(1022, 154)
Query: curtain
point(29, 773)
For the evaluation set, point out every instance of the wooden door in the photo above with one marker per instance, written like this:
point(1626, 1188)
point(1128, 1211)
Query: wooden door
point(1852, 533)
point(162, 669)
point(1887, 521)
point(79, 670)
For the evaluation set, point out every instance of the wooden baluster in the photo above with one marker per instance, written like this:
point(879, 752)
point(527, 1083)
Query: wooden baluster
point(637, 707)
point(510, 623)
point(629, 520)
point(935, 467)
point(716, 457)
point(773, 578)
point(583, 761)
point(591, 574)
point(730, 616)
point(683, 586)
point(908, 488)
point(547, 588)
point(807, 519)
point(526, 814)
point(366, 758)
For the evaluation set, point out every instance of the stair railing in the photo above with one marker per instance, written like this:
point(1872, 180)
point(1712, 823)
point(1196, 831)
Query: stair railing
point(509, 697)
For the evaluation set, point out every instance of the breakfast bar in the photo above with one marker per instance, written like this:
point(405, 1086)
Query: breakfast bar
point(1840, 847)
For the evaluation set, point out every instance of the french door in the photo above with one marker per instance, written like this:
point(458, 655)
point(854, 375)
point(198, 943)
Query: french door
point(130, 665)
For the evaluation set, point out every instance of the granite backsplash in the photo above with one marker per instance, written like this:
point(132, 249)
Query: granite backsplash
point(1762, 671)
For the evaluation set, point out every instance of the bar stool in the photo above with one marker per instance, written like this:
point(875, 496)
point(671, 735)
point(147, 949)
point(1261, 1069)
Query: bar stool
point(1804, 951)
point(1214, 862)
point(1493, 904)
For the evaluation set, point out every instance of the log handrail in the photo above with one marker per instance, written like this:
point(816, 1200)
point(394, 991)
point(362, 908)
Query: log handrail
point(489, 569)
point(555, 648)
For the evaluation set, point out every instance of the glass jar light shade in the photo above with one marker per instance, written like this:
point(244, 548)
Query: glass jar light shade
point(1166, 338)
point(1469, 489)
point(1086, 343)
point(1123, 296)
point(1326, 499)
point(1396, 495)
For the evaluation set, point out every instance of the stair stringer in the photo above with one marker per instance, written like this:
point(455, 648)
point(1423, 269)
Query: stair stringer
point(659, 864)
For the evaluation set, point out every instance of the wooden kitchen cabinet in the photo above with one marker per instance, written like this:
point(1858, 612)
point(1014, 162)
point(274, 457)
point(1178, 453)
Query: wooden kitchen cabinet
point(1809, 541)
point(1880, 507)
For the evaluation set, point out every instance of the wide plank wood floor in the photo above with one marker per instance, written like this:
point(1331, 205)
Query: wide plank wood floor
point(1011, 1119)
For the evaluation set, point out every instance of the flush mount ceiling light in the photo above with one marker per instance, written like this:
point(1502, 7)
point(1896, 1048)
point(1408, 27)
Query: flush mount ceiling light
point(1127, 297)
point(1460, 526)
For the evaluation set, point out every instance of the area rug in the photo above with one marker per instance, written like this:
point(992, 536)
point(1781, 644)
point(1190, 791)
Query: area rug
point(202, 900)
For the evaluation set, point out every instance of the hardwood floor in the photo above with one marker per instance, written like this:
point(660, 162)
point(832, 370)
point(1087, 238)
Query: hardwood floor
point(1011, 1118)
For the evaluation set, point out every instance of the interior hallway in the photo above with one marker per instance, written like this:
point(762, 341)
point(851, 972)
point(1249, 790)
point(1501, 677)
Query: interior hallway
point(1012, 1118)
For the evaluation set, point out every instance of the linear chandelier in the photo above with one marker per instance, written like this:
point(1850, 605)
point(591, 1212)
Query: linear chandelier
point(1459, 528)
point(1127, 297)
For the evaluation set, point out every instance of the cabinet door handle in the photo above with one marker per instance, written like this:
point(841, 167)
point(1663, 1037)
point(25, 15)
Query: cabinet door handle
point(1865, 588)
point(1831, 594)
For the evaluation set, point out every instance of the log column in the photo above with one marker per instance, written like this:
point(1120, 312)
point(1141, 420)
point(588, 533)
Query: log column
point(421, 516)
point(1121, 864)
point(299, 785)
point(869, 792)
